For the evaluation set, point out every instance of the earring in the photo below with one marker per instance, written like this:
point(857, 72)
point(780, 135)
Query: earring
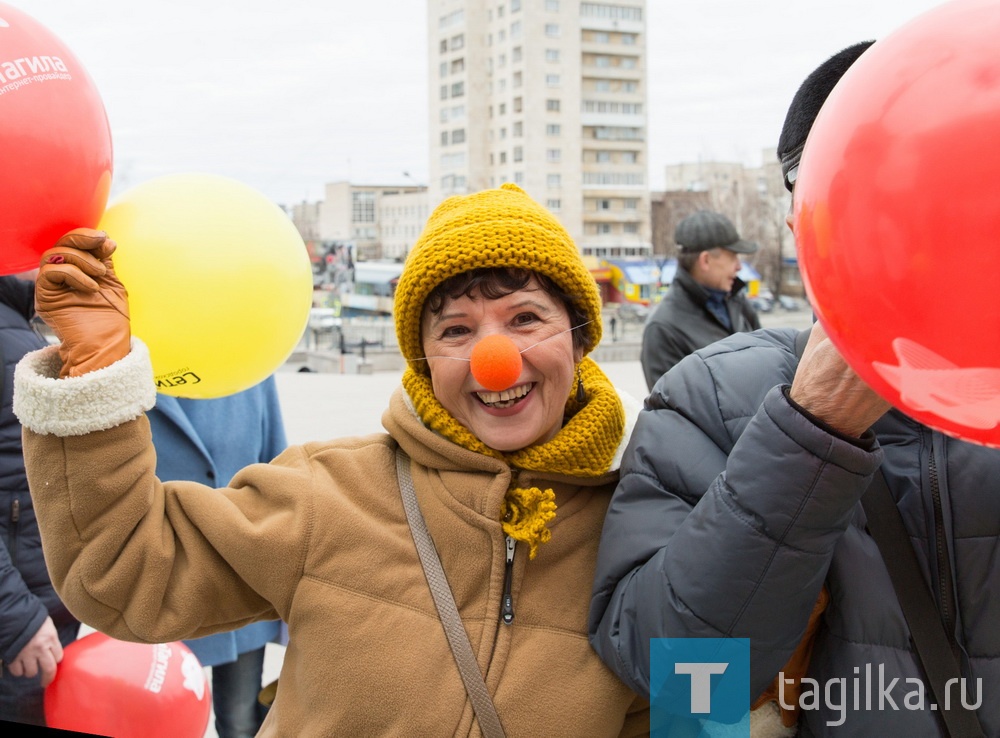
point(581, 393)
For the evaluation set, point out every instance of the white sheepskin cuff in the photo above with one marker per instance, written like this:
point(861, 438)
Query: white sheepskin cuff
point(75, 406)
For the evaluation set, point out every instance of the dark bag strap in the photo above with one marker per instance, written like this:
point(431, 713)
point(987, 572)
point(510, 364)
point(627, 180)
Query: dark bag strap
point(885, 525)
point(454, 630)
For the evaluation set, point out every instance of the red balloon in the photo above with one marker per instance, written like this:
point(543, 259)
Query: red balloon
point(122, 689)
point(897, 209)
point(56, 143)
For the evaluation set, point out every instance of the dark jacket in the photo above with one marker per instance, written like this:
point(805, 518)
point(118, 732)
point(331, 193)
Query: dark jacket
point(26, 594)
point(734, 508)
point(681, 324)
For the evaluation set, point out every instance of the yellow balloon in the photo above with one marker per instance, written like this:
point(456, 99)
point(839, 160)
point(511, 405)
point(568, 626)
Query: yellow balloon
point(218, 278)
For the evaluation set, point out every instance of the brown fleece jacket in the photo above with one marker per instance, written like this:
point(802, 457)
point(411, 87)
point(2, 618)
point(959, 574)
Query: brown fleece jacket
point(319, 539)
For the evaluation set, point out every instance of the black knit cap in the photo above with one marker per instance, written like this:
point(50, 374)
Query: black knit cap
point(706, 230)
point(806, 104)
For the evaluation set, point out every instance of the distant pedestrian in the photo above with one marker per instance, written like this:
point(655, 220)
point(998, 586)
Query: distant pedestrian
point(614, 329)
point(706, 301)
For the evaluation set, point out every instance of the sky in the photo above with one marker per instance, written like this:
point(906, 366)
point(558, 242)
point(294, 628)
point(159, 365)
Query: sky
point(286, 96)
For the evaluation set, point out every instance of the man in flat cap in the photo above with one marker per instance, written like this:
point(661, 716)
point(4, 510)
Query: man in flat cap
point(706, 301)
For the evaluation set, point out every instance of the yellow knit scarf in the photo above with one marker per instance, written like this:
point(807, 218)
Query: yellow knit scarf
point(584, 447)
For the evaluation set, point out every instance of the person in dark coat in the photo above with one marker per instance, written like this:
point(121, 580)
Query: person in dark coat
point(706, 300)
point(34, 623)
point(738, 515)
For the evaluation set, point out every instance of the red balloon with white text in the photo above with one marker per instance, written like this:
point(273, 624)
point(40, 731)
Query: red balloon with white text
point(129, 690)
point(55, 138)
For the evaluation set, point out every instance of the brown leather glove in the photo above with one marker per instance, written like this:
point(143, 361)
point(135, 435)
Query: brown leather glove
point(79, 296)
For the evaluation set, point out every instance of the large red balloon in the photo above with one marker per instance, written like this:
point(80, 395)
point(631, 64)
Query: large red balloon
point(129, 690)
point(55, 139)
point(898, 218)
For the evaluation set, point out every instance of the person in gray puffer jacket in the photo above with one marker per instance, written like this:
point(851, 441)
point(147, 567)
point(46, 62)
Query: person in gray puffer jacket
point(738, 507)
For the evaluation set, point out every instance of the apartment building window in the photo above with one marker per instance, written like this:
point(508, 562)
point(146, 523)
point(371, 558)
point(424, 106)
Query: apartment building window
point(554, 205)
point(457, 89)
point(602, 157)
point(553, 129)
point(501, 35)
point(553, 180)
point(443, 46)
point(502, 60)
point(458, 65)
point(601, 37)
point(458, 136)
point(518, 130)
point(627, 62)
point(503, 133)
point(444, 138)
point(552, 30)
point(630, 227)
point(616, 12)
point(630, 86)
point(552, 55)
point(517, 79)
point(515, 54)
point(502, 86)
point(552, 6)
point(602, 229)
point(500, 11)
point(603, 204)
point(503, 157)
point(552, 105)
point(519, 178)
point(602, 61)
point(444, 92)
point(631, 203)
point(629, 157)
point(517, 105)
point(552, 80)
point(457, 111)
point(602, 85)
point(628, 39)
point(503, 108)
point(518, 153)
point(515, 30)
point(457, 42)
point(515, 5)
point(443, 115)
point(443, 69)
point(553, 156)
point(362, 207)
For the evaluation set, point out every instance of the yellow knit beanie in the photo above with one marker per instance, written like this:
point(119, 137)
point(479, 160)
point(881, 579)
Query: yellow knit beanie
point(493, 228)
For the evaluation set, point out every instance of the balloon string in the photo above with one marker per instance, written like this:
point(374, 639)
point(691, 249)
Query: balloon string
point(459, 358)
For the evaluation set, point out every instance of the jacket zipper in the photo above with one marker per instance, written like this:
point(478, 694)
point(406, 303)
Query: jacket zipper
point(507, 604)
point(945, 585)
point(15, 516)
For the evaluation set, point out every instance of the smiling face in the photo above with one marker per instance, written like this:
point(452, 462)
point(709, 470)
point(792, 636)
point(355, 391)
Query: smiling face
point(531, 409)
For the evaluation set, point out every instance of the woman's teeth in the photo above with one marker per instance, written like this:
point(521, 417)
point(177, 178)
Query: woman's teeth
point(506, 398)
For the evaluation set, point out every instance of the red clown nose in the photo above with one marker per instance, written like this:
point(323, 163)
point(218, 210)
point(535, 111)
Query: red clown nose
point(496, 362)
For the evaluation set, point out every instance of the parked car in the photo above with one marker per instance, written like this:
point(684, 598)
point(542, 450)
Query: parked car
point(761, 304)
point(789, 303)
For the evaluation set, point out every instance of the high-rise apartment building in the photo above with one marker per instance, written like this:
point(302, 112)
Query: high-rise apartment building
point(550, 95)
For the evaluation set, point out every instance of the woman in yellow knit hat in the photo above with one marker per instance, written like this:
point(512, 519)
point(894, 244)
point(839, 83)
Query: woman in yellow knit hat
point(500, 457)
